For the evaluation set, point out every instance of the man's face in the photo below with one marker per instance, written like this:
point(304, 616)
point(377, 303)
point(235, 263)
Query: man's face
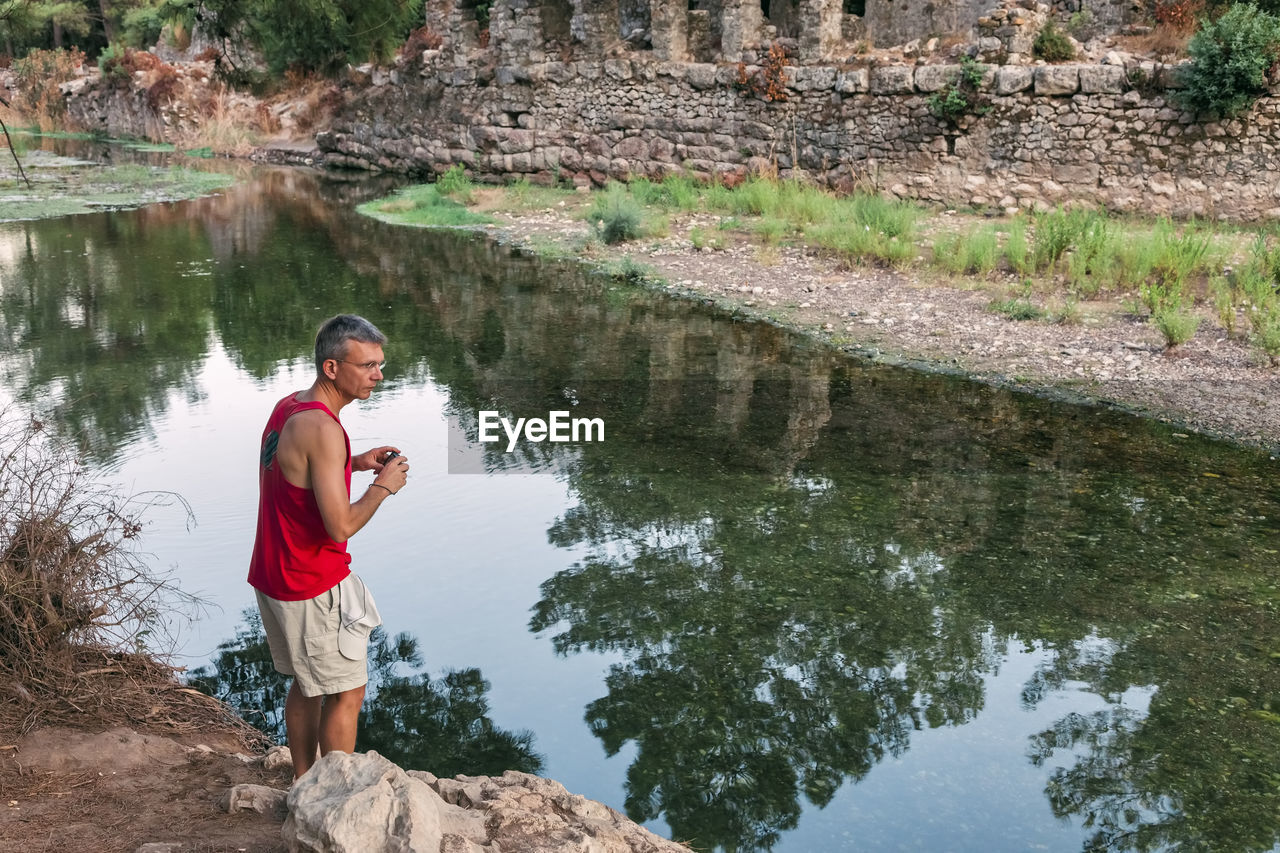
point(359, 370)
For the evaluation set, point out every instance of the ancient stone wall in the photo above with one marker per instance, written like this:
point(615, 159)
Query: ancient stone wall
point(1047, 134)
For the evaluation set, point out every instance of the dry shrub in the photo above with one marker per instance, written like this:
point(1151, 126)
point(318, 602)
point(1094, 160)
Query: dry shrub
point(314, 101)
point(209, 54)
point(163, 87)
point(38, 76)
point(768, 82)
point(266, 118)
point(225, 126)
point(78, 603)
point(423, 38)
point(140, 60)
point(1179, 16)
point(1163, 42)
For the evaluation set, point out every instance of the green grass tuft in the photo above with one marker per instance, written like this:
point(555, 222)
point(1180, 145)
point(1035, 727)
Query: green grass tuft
point(423, 206)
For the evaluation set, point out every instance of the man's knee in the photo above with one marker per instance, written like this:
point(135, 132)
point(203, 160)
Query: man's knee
point(347, 697)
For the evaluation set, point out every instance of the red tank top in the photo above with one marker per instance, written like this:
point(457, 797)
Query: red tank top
point(294, 558)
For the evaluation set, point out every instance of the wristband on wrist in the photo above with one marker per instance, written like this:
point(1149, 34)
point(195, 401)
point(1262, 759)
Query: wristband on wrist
point(380, 486)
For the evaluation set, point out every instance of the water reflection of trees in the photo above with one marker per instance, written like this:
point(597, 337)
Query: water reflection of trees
point(808, 623)
point(441, 725)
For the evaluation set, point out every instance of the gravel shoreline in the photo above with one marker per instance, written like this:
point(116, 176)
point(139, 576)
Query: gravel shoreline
point(1214, 384)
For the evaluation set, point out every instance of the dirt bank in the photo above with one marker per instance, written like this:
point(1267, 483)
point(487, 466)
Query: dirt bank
point(1108, 355)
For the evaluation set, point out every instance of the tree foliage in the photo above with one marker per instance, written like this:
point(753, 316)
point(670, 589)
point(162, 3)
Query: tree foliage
point(304, 35)
point(307, 35)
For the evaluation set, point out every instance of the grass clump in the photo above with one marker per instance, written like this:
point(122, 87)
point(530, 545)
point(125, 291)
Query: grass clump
point(1091, 267)
point(1176, 324)
point(1052, 44)
point(701, 240)
point(1017, 308)
point(1017, 253)
point(455, 184)
point(424, 206)
point(976, 253)
point(616, 216)
point(1254, 285)
point(530, 196)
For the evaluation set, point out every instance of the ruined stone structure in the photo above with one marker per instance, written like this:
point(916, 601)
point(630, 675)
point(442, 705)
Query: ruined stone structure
point(592, 111)
point(528, 31)
point(589, 91)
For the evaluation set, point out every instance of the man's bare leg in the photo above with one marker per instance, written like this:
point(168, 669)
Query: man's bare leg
point(338, 721)
point(302, 727)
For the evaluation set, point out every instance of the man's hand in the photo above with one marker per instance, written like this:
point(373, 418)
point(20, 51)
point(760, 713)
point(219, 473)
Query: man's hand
point(373, 460)
point(393, 474)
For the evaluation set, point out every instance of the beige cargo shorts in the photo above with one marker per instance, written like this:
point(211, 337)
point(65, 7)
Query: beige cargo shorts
point(323, 641)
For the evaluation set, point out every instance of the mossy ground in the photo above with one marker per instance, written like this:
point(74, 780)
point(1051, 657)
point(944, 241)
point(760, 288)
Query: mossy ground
point(63, 186)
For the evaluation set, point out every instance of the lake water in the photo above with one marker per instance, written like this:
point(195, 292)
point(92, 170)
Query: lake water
point(793, 601)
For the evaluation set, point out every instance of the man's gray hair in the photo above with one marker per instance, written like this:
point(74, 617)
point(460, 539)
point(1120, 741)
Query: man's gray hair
point(331, 340)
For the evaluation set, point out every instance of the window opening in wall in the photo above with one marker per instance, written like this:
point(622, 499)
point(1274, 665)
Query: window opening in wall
point(764, 8)
point(634, 24)
point(556, 17)
point(480, 10)
point(855, 7)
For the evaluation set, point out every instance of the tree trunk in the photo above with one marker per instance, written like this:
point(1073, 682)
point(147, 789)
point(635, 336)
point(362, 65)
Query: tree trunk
point(57, 37)
point(108, 25)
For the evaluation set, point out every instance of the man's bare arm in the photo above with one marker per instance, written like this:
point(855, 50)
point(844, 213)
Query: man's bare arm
point(326, 454)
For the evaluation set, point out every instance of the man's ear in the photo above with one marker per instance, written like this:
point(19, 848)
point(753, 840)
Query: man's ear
point(330, 368)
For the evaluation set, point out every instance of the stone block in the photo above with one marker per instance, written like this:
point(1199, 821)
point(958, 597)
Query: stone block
point(557, 72)
point(509, 75)
point(701, 75)
point(853, 81)
point(512, 141)
point(820, 78)
point(934, 78)
point(1057, 79)
point(1075, 175)
point(726, 75)
point(1107, 79)
point(618, 69)
point(892, 80)
point(632, 148)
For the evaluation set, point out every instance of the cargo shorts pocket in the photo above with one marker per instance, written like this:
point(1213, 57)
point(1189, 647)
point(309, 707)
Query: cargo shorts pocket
point(321, 645)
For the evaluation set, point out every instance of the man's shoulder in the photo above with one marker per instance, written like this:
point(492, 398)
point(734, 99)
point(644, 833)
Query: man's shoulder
point(311, 425)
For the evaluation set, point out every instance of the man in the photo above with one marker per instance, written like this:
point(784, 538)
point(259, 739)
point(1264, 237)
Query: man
point(316, 613)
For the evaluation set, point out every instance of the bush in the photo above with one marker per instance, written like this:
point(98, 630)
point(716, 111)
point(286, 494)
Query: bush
point(72, 579)
point(1175, 323)
point(38, 76)
point(961, 97)
point(421, 39)
point(456, 184)
point(1053, 45)
point(1178, 15)
point(164, 87)
point(1230, 58)
point(615, 216)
